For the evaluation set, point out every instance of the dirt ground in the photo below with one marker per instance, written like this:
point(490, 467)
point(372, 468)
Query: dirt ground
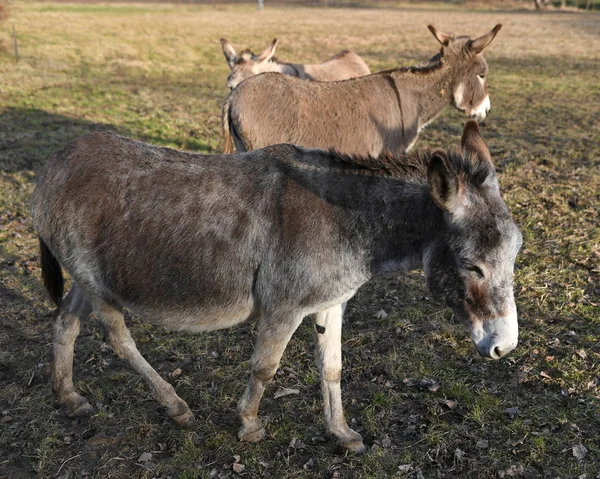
point(413, 385)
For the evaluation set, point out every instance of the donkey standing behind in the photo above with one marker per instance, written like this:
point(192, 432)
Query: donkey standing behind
point(342, 66)
point(363, 116)
point(199, 243)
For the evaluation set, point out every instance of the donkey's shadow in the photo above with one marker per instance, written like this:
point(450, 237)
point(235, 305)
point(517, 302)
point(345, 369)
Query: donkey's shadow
point(29, 135)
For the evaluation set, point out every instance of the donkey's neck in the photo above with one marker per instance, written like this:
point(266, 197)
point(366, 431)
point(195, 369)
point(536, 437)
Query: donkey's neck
point(403, 229)
point(387, 217)
point(432, 87)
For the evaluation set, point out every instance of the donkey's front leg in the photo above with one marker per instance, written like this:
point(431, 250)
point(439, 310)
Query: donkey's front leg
point(124, 346)
point(328, 354)
point(274, 333)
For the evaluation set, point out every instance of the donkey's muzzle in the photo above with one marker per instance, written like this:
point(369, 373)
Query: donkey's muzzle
point(495, 338)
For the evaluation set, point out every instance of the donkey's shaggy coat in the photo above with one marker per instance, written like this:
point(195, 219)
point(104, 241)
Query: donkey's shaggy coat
point(196, 243)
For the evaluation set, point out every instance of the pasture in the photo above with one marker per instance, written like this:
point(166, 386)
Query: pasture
point(413, 385)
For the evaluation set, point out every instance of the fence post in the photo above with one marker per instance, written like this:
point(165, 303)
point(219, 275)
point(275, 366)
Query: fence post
point(261, 4)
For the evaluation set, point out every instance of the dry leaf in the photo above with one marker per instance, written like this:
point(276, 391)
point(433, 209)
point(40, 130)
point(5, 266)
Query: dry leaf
point(430, 384)
point(238, 468)
point(281, 392)
point(512, 471)
point(381, 314)
point(176, 373)
point(449, 403)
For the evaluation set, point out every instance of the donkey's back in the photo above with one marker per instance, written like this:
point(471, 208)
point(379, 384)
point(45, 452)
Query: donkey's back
point(184, 239)
point(358, 116)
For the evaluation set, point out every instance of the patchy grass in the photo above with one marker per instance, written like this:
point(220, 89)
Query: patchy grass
point(156, 73)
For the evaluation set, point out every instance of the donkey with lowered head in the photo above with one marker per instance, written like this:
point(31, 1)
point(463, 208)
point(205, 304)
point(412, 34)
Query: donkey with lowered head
point(342, 66)
point(362, 116)
point(198, 243)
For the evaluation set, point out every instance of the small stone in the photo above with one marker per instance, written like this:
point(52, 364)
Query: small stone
point(579, 451)
point(238, 468)
point(309, 464)
point(381, 314)
point(405, 467)
point(176, 373)
point(511, 411)
point(482, 444)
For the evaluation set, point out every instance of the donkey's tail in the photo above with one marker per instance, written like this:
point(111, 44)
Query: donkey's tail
point(227, 137)
point(51, 274)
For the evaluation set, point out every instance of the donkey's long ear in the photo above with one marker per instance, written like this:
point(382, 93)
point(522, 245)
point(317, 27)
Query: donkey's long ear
point(443, 183)
point(229, 52)
point(472, 142)
point(483, 41)
point(441, 37)
point(266, 55)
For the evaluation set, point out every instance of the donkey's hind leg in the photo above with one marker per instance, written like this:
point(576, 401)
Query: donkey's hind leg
point(274, 333)
point(73, 309)
point(124, 346)
point(328, 355)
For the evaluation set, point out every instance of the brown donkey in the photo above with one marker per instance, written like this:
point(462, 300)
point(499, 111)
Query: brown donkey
point(362, 116)
point(198, 243)
point(342, 66)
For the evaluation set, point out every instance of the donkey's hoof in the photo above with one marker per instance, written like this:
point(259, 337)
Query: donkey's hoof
point(185, 420)
point(78, 407)
point(353, 442)
point(251, 432)
point(356, 447)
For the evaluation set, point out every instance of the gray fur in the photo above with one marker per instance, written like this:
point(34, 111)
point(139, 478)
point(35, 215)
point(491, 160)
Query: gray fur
point(194, 242)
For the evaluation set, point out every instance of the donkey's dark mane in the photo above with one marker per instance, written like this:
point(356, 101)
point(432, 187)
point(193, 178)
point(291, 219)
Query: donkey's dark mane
point(433, 64)
point(413, 165)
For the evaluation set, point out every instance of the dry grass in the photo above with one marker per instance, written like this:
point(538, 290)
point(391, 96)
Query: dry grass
point(156, 72)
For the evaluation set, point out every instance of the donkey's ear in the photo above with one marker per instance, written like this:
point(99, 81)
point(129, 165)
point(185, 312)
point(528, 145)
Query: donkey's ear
point(266, 55)
point(441, 37)
point(472, 142)
point(443, 183)
point(478, 45)
point(229, 52)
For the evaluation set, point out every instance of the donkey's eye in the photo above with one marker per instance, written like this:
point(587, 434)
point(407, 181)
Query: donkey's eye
point(474, 269)
point(482, 76)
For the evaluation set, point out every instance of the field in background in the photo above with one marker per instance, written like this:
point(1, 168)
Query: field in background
point(156, 73)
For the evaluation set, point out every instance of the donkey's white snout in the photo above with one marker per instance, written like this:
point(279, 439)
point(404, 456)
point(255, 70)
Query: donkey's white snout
point(496, 338)
point(481, 111)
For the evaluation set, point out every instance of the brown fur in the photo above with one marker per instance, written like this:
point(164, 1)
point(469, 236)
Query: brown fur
point(361, 116)
point(246, 64)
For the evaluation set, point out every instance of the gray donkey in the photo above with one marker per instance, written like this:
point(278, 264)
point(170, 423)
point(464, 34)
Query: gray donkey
point(246, 64)
point(362, 116)
point(197, 243)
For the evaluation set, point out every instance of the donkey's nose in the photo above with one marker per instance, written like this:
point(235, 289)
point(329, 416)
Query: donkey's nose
point(497, 351)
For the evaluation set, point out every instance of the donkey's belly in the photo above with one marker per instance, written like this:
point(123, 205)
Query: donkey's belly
point(202, 319)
